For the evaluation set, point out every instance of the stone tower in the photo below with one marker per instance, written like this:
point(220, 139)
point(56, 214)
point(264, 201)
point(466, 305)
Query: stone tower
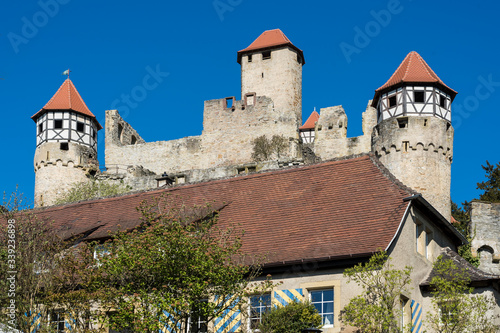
point(414, 137)
point(272, 66)
point(66, 144)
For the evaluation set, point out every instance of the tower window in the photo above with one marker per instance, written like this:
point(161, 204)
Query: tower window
point(133, 140)
point(392, 101)
point(419, 96)
point(249, 58)
point(58, 123)
point(40, 128)
point(266, 55)
point(63, 146)
point(80, 126)
point(299, 58)
point(442, 101)
point(403, 122)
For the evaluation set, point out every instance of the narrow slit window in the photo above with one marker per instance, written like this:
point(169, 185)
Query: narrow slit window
point(249, 58)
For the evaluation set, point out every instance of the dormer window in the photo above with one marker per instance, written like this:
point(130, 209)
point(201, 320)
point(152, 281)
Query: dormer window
point(266, 55)
point(419, 96)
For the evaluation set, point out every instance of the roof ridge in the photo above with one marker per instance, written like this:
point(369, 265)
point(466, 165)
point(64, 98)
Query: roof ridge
point(265, 173)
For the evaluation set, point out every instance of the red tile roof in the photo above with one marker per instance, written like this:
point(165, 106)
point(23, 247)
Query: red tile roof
point(270, 39)
point(341, 208)
point(67, 98)
point(311, 121)
point(414, 69)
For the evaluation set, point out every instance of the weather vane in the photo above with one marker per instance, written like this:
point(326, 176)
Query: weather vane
point(66, 72)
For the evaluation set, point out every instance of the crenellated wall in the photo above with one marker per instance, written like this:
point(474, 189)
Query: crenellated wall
point(230, 127)
point(331, 139)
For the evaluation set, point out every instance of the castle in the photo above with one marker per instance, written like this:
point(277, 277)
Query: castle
point(334, 200)
point(407, 126)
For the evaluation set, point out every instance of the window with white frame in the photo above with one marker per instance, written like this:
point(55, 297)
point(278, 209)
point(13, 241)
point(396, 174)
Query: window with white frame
point(56, 322)
point(198, 324)
point(322, 299)
point(259, 305)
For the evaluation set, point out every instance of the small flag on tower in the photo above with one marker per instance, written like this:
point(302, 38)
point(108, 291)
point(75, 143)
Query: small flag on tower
point(66, 72)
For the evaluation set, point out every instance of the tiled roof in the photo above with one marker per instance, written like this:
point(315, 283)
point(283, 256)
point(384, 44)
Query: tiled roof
point(414, 69)
point(311, 121)
point(66, 98)
point(336, 209)
point(269, 39)
point(475, 274)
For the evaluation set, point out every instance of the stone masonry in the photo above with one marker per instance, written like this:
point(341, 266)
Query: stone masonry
point(485, 226)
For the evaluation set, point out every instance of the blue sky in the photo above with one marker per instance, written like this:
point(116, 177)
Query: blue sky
point(108, 45)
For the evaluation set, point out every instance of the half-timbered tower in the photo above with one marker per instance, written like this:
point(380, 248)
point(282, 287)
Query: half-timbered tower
point(414, 136)
point(66, 144)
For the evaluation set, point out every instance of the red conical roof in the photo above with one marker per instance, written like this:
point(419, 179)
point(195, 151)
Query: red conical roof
point(268, 39)
point(311, 121)
point(67, 98)
point(414, 69)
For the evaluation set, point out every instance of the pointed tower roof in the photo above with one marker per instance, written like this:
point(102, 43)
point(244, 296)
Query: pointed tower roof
point(311, 121)
point(67, 98)
point(413, 69)
point(270, 39)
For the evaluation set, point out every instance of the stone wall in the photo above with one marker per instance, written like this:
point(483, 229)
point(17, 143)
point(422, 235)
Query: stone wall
point(227, 139)
point(485, 224)
point(57, 170)
point(331, 139)
point(418, 151)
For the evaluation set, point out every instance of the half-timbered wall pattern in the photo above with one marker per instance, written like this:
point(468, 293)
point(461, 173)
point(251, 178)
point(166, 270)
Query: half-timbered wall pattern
point(66, 126)
point(405, 101)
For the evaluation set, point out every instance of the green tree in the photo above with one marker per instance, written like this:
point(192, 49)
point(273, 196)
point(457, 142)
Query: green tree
point(291, 318)
point(27, 246)
point(92, 189)
point(491, 186)
point(265, 149)
point(179, 265)
point(455, 308)
point(375, 310)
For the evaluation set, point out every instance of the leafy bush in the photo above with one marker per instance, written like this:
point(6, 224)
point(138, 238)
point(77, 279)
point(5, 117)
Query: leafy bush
point(291, 318)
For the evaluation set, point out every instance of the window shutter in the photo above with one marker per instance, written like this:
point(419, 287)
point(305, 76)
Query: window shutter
point(284, 297)
point(230, 320)
point(416, 317)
